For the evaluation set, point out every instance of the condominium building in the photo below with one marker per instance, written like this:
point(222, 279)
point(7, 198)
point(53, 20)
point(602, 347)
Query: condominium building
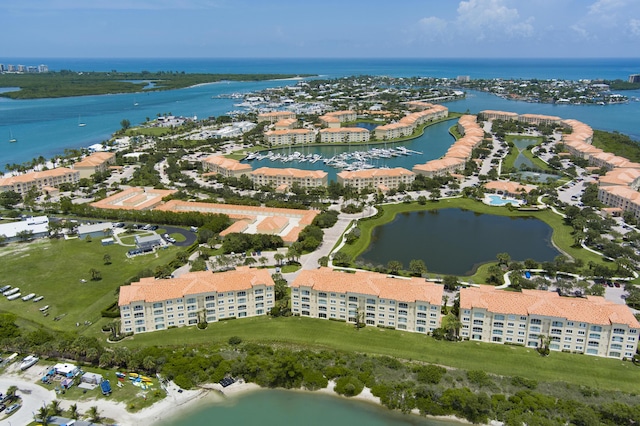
point(285, 124)
point(591, 325)
point(621, 197)
point(539, 119)
point(333, 119)
point(40, 180)
point(227, 167)
point(383, 179)
point(98, 162)
point(274, 116)
point(407, 125)
point(344, 134)
point(134, 198)
point(151, 304)
point(290, 136)
point(276, 177)
point(393, 131)
point(498, 115)
point(441, 167)
point(410, 304)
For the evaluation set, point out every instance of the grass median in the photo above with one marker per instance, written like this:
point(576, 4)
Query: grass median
point(315, 334)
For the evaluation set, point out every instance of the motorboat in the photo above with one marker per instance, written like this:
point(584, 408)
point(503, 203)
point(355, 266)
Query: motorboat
point(28, 362)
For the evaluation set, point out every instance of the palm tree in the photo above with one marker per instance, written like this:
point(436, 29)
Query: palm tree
point(278, 257)
point(73, 412)
point(11, 391)
point(94, 414)
point(43, 416)
point(54, 407)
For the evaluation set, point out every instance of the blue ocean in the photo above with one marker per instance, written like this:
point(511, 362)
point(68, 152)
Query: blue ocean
point(47, 126)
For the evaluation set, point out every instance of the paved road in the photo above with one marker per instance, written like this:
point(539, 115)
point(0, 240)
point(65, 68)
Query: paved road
point(33, 397)
point(190, 236)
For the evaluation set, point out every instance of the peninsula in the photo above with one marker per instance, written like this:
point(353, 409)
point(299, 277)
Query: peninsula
point(68, 83)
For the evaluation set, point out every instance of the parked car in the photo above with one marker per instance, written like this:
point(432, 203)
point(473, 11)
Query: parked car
point(13, 408)
point(2, 407)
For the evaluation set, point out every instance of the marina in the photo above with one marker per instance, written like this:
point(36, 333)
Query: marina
point(349, 161)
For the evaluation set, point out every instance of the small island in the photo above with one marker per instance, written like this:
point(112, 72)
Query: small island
point(67, 83)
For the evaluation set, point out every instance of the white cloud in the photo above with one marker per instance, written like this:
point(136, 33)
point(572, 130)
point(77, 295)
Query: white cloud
point(480, 20)
point(634, 27)
point(580, 31)
point(605, 6)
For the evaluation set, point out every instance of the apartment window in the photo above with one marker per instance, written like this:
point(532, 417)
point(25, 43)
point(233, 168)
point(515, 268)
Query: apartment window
point(498, 317)
point(209, 298)
point(557, 324)
point(536, 321)
point(138, 315)
point(422, 308)
point(157, 305)
point(191, 300)
point(478, 322)
point(158, 312)
point(478, 315)
point(138, 308)
point(596, 328)
point(618, 331)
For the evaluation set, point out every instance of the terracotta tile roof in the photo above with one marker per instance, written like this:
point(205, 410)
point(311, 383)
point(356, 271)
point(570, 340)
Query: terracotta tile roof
point(95, 159)
point(370, 283)
point(193, 283)
point(290, 172)
point(373, 173)
point(344, 129)
point(619, 176)
point(272, 224)
point(436, 165)
point(508, 186)
point(134, 198)
point(33, 176)
point(226, 163)
point(239, 226)
point(591, 310)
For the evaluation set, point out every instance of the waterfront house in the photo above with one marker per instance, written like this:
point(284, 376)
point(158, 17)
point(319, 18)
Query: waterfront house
point(40, 180)
point(591, 325)
point(409, 304)
point(151, 304)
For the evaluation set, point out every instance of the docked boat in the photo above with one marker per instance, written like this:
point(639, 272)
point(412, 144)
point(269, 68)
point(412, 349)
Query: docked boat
point(14, 296)
point(44, 308)
point(28, 297)
point(5, 288)
point(39, 298)
point(11, 292)
point(28, 362)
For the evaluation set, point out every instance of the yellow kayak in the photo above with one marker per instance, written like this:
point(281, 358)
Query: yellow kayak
point(134, 375)
point(146, 379)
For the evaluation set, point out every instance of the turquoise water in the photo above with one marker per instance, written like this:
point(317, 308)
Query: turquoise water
point(279, 407)
point(497, 200)
point(432, 144)
point(48, 126)
point(455, 241)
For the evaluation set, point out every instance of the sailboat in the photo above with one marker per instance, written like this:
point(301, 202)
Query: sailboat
point(135, 103)
point(80, 123)
point(11, 138)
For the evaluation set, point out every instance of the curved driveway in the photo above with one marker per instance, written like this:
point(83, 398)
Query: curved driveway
point(190, 236)
point(33, 397)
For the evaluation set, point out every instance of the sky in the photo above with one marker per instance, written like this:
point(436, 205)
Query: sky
point(323, 29)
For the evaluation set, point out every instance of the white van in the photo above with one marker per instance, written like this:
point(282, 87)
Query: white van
point(12, 408)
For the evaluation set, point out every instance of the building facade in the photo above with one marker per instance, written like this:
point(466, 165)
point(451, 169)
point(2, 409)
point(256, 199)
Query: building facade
point(410, 304)
point(151, 305)
point(227, 167)
point(98, 162)
point(276, 177)
point(344, 134)
point(274, 116)
point(40, 180)
point(591, 325)
point(377, 178)
point(290, 137)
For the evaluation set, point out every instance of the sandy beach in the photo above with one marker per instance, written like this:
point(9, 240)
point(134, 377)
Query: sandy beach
point(178, 402)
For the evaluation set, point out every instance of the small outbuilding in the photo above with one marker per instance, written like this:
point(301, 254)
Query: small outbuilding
point(148, 242)
point(95, 230)
point(91, 378)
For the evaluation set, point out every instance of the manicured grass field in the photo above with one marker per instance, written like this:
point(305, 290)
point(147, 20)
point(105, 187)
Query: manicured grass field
point(599, 373)
point(561, 237)
point(510, 159)
point(55, 268)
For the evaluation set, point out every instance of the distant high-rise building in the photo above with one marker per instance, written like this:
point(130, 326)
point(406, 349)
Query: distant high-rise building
point(463, 79)
point(43, 68)
point(634, 78)
point(21, 68)
point(32, 69)
point(11, 68)
point(2, 68)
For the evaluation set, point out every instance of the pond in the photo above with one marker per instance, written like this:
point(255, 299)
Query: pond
point(455, 241)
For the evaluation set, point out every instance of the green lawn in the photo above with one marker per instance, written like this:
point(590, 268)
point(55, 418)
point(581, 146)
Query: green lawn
point(510, 159)
point(55, 268)
point(599, 373)
point(561, 237)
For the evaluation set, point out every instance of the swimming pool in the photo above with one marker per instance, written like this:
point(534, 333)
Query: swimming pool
point(498, 200)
